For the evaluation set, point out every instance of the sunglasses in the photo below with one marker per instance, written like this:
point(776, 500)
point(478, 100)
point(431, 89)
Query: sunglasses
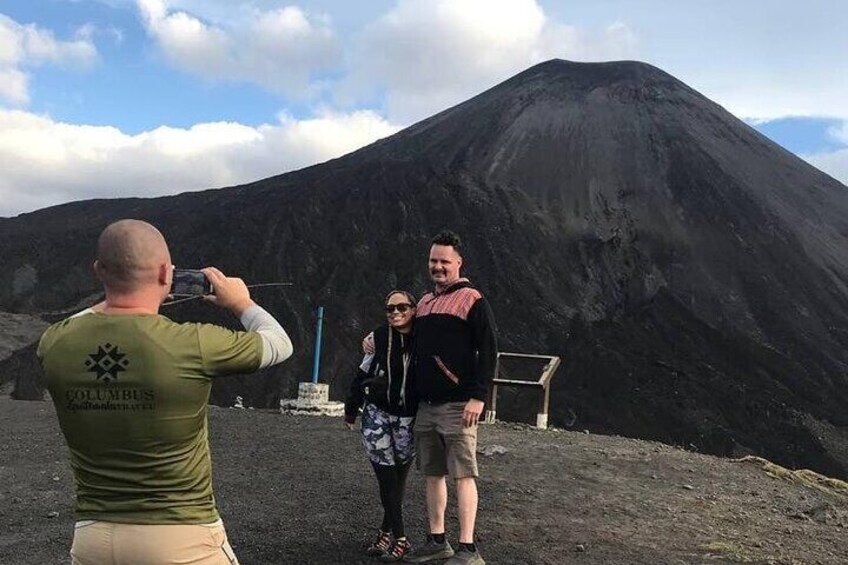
point(402, 308)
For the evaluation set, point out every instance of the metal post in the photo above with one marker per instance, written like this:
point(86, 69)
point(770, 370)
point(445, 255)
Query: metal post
point(492, 412)
point(317, 360)
point(542, 416)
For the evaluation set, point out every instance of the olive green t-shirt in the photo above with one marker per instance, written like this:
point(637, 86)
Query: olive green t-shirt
point(131, 394)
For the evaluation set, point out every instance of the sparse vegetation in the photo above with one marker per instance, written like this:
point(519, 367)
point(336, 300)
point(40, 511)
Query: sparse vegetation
point(805, 477)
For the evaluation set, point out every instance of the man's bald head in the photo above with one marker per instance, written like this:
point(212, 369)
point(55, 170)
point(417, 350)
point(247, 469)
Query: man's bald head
point(130, 256)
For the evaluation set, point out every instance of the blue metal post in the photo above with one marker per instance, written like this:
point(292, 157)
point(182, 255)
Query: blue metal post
point(317, 361)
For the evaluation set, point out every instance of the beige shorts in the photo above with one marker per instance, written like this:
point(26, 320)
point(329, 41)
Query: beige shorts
point(443, 444)
point(109, 543)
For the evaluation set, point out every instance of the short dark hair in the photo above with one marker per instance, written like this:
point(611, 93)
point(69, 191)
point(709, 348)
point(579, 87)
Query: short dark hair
point(407, 295)
point(448, 237)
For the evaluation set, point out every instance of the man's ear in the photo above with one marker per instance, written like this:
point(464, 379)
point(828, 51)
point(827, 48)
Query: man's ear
point(96, 268)
point(166, 274)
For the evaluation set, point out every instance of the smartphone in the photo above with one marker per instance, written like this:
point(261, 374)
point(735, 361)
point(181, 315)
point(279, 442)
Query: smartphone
point(189, 282)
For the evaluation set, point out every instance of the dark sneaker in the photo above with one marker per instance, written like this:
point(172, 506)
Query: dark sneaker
point(430, 551)
point(397, 552)
point(465, 557)
point(380, 545)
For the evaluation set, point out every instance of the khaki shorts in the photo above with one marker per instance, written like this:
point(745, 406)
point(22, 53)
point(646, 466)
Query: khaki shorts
point(109, 543)
point(443, 444)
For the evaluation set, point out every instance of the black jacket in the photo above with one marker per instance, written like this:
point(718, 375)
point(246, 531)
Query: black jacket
point(455, 345)
point(386, 381)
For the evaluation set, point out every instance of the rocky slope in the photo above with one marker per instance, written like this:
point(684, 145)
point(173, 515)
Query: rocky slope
point(691, 273)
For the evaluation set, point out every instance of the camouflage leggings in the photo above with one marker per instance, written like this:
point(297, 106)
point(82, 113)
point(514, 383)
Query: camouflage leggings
point(387, 439)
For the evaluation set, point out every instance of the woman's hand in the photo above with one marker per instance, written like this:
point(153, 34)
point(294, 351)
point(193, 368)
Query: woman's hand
point(368, 344)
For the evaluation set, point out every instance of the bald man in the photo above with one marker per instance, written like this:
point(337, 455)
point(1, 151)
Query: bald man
point(131, 389)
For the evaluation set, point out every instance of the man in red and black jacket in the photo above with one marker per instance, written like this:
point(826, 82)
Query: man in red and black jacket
point(455, 359)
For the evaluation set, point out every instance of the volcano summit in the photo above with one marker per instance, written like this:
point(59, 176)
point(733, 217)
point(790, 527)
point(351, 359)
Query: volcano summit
point(692, 274)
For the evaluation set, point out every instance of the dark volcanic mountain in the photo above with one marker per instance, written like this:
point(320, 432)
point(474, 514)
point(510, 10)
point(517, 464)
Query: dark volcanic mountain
point(691, 273)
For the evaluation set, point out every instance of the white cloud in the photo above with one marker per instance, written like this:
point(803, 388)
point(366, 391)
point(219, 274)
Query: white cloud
point(27, 46)
point(840, 132)
point(14, 85)
point(834, 163)
point(282, 49)
point(759, 99)
point(45, 162)
point(90, 30)
point(760, 60)
point(427, 55)
point(616, 42)
point(423, 55)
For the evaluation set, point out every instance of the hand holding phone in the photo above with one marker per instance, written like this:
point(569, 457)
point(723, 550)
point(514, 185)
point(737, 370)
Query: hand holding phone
point(230, 292)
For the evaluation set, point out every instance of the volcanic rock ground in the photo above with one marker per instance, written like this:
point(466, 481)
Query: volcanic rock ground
point(299, 490)
point(18, 331)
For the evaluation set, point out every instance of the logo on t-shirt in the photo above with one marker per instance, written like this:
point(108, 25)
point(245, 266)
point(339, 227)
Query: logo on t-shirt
point(107, 362)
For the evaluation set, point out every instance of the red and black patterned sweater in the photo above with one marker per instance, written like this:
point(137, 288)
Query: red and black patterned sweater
point(455, 345)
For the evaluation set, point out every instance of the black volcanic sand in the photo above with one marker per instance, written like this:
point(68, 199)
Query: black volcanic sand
point(18, 331)
point(299, 490)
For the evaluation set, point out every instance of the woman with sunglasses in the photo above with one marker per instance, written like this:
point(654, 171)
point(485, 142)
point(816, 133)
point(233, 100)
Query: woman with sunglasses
point(382, 388)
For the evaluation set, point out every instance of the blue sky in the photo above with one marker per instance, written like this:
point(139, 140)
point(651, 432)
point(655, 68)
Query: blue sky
point(105, 98)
